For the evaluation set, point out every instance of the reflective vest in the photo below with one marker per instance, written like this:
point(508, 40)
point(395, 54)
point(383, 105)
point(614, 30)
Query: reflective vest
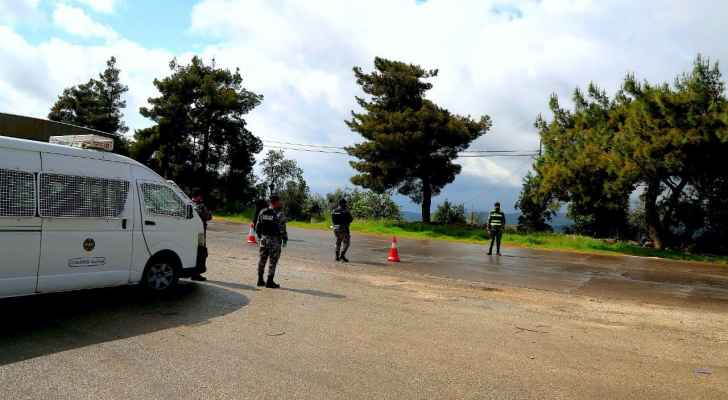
point(497, 219)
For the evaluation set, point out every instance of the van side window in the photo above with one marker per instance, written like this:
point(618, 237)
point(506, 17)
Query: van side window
point(68, 196)
point(17, 193)
point(162, 200)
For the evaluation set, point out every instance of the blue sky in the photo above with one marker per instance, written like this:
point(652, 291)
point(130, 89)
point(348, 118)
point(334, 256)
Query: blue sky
point(497, 57)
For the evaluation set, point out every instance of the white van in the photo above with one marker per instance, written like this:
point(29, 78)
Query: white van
point(72, 219)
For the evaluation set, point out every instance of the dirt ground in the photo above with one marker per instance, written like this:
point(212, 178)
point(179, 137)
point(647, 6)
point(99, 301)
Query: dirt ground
point(447, 322)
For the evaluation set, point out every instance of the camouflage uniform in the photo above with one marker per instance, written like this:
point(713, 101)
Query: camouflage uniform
point(204, 213)
point(271, 242)
point(341, 230)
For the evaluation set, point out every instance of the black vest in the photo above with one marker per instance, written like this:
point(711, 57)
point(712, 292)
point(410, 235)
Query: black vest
point(269, 223)
point(339, 217)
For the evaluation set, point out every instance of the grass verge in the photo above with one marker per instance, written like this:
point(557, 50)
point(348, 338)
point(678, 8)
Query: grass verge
point(469, 234)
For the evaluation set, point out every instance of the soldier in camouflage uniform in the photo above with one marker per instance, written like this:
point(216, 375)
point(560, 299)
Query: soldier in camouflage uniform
point(341, 218)
point(272, 235)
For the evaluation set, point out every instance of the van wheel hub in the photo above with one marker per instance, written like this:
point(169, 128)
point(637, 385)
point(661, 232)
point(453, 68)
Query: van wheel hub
point(160, 276)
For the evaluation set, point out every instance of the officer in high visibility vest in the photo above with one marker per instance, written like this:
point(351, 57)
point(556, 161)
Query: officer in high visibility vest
point(496, 225)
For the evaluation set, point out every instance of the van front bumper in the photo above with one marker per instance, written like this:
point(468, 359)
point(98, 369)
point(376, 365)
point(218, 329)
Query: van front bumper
point(200, 264)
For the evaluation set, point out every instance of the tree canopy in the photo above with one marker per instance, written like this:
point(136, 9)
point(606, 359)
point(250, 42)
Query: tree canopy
point(410, 143)
point(286, 179)
point(96, 104)
point(200, 137)
point(664, 142)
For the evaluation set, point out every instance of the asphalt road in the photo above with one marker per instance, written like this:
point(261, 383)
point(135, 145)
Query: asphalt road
point(447, 322)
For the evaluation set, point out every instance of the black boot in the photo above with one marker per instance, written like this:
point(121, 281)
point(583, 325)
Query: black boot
point(337, 256)
point(270, 284)
point(261, 281)
point(344, 259)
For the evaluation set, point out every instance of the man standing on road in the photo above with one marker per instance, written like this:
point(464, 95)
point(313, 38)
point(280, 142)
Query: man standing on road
point(206, 216)
point(496, 224)
point(341, 218)
point(272, 235)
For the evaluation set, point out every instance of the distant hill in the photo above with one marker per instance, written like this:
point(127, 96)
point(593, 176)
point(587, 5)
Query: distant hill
point(559, 222)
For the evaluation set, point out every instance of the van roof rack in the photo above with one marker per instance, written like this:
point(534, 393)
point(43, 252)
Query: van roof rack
point(94, 142)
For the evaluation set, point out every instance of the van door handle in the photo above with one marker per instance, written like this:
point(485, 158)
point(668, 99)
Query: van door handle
point(150, 223)
point(123, 223)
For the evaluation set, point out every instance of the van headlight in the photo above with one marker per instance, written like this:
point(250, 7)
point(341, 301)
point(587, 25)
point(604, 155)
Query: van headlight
point(201, 240)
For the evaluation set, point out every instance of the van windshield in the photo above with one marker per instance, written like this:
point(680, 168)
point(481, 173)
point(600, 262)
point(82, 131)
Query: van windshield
point(179, 192)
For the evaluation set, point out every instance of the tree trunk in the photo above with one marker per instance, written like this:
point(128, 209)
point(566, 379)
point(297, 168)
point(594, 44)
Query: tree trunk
point(204, 160)
point(652, 217)
point(426, 200)
point(673, 201)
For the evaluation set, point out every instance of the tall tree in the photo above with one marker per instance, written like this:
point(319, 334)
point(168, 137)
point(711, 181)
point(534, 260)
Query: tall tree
point(201, 136)
point(96, 104)
point(410, 143)
point(537, 207)
point(286, 178)
point(673, 142)
point(668, 142)
point(576, 166)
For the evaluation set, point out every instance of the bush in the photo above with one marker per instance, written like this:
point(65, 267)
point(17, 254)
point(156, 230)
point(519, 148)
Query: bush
point(366, 204)
point(316, 207)
point(448, 213)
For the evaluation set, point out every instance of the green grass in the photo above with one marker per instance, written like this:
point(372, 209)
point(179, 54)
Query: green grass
point(469, 234)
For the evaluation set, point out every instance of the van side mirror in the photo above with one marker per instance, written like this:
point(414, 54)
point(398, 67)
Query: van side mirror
point(190, 211)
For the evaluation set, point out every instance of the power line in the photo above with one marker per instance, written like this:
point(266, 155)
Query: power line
point(321, 146)
point(497, 151)
point(314, 150)
point(307, 150)
point(495, 155)
point(303, 145)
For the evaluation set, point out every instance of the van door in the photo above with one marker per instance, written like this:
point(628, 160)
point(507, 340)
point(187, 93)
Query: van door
point(87, 237)
point(164, 221)
point(20, 227)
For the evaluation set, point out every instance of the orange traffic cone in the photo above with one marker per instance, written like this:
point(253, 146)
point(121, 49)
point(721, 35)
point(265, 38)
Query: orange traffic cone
point(393, 252)
point(251, 236)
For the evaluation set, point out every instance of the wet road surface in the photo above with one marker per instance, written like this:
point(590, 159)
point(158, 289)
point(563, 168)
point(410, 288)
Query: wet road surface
point(447, 322)
point(619, 277)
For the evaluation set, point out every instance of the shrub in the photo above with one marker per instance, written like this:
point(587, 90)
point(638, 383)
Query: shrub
point(448, 213)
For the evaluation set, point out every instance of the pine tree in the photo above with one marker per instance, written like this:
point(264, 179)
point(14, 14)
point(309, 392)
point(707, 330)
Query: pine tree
point(410, 143)
point(201, 136)
point(96, 104)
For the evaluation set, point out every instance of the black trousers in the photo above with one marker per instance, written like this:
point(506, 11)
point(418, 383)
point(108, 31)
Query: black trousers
point(495, 237)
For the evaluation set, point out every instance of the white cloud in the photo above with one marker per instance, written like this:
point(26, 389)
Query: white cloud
point(74, 20)
point(499, 57)
point(503, 58)
point(102, 6)
point(38, 74)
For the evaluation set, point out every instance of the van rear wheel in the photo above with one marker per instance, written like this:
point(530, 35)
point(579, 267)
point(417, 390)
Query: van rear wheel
point(160, 276)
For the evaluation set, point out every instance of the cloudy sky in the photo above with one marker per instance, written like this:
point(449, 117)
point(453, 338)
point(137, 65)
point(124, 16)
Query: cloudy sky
point(496, 57)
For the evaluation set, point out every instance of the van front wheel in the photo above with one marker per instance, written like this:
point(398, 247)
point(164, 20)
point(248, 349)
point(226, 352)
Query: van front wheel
point(160, 276)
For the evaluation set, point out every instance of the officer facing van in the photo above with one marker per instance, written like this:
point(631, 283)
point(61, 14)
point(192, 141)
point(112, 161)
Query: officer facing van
point(496, 225)
point(341, 219)
point(206, 216)
point(272, 235)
